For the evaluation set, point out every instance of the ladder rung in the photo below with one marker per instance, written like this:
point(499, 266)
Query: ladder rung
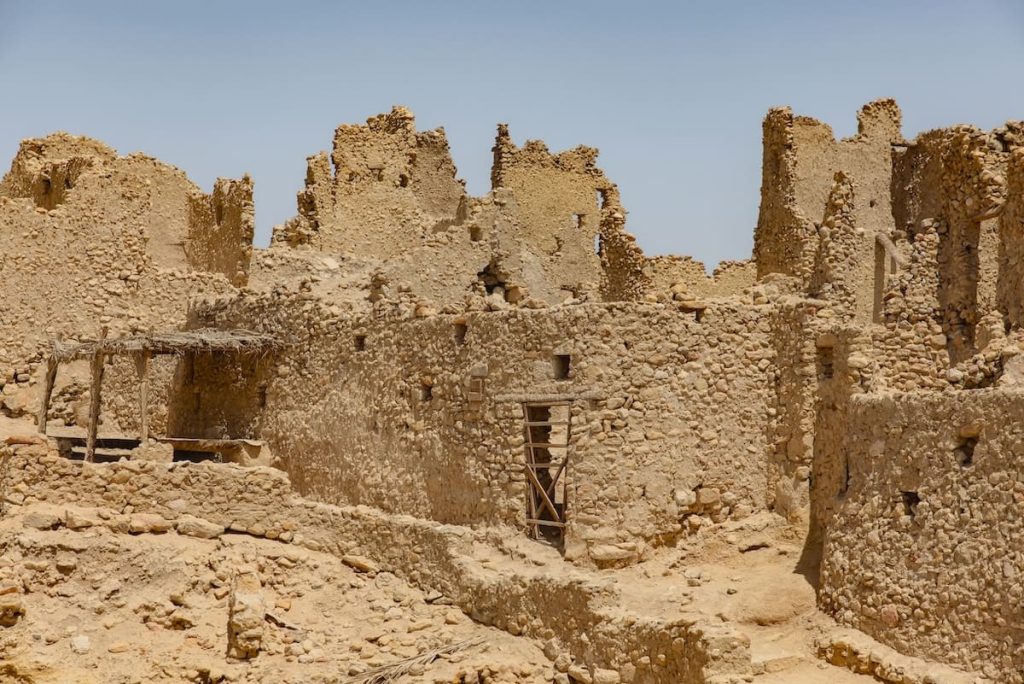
point(549, 523)
point(553, 464)
point(546, 423)
point(546, 445)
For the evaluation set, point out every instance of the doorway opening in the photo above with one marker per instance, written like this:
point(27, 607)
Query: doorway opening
point(547, 431)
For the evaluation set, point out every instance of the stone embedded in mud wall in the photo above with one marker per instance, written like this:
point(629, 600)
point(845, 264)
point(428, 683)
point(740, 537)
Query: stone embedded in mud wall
point(246, 613)
point(12, 608)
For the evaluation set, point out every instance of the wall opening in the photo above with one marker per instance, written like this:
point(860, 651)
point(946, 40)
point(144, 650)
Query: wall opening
point(562, 364)
point(359, 342)
point(964, 451)
point(577, 221)
point(426, 391)
point(597, 244)
point(826, 363)
point(885, 267)
point(547, 433)
point(460, 330)
point(475, 233)
point(910, 500)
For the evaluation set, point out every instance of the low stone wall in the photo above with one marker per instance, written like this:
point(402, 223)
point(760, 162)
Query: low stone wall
point(574, 613)
point(921, 552)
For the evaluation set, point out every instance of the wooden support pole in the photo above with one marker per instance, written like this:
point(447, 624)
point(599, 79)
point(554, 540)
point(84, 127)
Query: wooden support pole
point(95, 387)
point(44, 405)
point(142, 367)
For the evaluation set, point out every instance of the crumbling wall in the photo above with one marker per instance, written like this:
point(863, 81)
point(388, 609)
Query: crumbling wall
point(954, 180)
point(380, 193)
point(1011, 243)
point(922, 550)
point(551, 229)
point(559, 199)
point(433, 406)
point(801, 158)
point(92, 240)
point(686, 278)
point(221, 230)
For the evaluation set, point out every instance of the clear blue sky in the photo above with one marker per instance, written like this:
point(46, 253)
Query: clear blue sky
point(673, 93)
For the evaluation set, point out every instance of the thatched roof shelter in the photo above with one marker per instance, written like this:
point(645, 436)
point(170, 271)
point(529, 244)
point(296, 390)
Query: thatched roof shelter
point(143, 347)
point(179, 343)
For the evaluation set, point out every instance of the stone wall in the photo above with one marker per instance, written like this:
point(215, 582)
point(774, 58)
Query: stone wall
point(922, 552)
point(364, 407)
point(551, 228)
point(572, 613)
point(801, 158)
point(94, 240)
point(687, 277)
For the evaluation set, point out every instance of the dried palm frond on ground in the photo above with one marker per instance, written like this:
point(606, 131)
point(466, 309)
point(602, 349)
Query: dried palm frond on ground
point(392, 671)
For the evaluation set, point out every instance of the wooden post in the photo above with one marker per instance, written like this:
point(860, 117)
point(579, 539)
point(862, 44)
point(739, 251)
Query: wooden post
point(51, 378)
point(142, 367)
point(98, 359)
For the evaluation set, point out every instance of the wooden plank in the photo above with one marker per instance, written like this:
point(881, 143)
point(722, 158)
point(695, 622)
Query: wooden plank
point(549, 523)
point(546, 423)
point(95, 387)
point(531, 504)
point(51, 379)
point(543, 493)
point(142, 368)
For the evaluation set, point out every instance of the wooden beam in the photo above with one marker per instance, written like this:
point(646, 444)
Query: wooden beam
point(44, 406)
point(95, 388)
point(142, 368)
point(543, 494)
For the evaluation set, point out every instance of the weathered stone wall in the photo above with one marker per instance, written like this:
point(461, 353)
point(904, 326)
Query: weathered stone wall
point(94, 240)
point(574, 613)
point(922, 552)
point(685, 276)
point(953, 180)
point(801, 158)
point(551, 228)
point(365, 407)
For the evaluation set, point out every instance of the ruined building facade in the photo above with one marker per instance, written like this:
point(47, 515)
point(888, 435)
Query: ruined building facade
point(858, 376)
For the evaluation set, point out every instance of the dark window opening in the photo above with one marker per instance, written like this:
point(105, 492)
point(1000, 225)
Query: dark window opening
point(475, 233)
point(491, 278)
point(460, 333)
point(360, 343)
point(964, 451)
point(197, 456)
point(910, 501)
point(262, 396)
point(403, 180)
point(577, 221)
point(426, 392)
point(698, 315)
point(562, 364)
point(826, 363)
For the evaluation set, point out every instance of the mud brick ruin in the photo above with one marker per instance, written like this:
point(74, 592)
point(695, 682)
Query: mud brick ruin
point(426, 436)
